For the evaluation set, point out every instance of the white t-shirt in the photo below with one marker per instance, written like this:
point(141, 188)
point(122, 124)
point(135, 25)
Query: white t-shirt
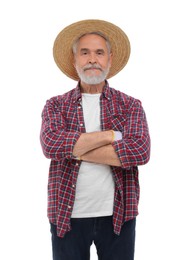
point(95, 185)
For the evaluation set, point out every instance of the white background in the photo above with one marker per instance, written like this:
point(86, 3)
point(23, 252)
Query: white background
point(157, 74)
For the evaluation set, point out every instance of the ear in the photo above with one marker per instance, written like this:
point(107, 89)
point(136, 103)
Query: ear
point(111, 58)
point(74, 62)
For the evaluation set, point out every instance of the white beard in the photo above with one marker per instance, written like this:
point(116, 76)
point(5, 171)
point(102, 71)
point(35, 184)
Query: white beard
point(92, 79)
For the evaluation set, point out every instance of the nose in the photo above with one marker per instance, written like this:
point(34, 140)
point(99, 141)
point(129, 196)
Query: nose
point(92, 58)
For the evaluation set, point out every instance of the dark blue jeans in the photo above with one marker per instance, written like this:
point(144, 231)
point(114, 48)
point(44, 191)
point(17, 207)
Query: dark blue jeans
point(75, 245)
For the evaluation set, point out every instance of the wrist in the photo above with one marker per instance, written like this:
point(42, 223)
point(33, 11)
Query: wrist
point(115, 135)
point(112, 136)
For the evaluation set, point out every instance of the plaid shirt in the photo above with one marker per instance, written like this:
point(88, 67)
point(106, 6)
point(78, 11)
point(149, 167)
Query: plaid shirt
point(62, 124)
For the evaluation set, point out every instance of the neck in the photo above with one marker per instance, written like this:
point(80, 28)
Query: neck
point(92, 89)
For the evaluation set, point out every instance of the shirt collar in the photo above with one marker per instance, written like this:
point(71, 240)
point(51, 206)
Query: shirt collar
point(105, 93)
point(77, 94)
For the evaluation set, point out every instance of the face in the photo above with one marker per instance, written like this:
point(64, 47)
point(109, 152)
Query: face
point(92, 59)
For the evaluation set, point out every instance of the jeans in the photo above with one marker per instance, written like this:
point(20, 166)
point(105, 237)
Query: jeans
point(75, 245)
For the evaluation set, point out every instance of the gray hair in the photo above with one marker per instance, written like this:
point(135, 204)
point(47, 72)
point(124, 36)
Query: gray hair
point(75, 44)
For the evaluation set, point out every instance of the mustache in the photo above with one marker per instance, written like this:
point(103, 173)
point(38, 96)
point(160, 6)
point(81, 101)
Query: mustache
point(89, 66)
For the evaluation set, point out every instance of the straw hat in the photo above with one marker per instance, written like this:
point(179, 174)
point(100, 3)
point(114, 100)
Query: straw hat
point(62, 49)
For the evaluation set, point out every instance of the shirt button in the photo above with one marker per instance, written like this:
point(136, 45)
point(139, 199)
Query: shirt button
point(77, 164)
point(81, 124)
point(69, 207)
point(73, 186)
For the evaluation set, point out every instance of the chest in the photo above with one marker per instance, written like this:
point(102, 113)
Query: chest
point(109, 114)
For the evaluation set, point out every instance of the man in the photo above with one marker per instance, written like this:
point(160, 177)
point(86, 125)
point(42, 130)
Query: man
point(96, 137)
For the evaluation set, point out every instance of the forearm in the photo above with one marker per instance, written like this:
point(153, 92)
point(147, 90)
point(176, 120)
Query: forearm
point(59, 144)
point(103, 155)
point(90, 141)
point(133, 152)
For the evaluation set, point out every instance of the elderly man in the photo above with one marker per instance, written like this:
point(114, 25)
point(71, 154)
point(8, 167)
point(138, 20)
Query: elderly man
point(96, 137)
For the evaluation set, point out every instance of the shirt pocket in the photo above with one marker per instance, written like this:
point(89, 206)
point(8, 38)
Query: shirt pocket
point(118, 122)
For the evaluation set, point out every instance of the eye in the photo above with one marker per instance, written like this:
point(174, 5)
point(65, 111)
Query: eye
point(100, 52)
point(84, 52)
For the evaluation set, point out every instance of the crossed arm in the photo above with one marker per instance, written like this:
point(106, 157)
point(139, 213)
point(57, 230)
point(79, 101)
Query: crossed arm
point(96, 147)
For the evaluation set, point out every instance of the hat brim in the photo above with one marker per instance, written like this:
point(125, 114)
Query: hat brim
point(62, 49)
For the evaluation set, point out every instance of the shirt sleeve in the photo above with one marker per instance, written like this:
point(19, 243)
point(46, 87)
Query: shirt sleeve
point(57, 143)
point(134, 148)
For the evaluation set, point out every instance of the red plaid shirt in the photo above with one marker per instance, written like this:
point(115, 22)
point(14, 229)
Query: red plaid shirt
point(62, 124)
